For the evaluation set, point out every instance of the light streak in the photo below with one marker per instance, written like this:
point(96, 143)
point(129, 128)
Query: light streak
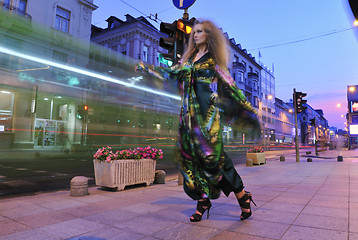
point(85, 72)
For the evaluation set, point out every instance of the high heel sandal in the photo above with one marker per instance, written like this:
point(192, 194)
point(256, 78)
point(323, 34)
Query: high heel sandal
point(202, 206)
point(246, 205)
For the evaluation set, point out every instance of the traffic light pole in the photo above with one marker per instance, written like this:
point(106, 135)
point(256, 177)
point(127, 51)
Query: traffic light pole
point(296, 128)
point(316, 139)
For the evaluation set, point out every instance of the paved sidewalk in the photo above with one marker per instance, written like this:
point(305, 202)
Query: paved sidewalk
point(305, 200)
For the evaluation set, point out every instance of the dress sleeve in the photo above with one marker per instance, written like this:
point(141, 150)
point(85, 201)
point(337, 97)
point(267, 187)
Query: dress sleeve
point(234, 107)
point(172, 73)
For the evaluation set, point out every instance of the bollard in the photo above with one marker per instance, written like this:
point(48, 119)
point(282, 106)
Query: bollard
point(159, 177)
point(309, 159)
point(180, 178)
point(282, 158)
point(340, 158)
point(249, 163)
point(79, 186)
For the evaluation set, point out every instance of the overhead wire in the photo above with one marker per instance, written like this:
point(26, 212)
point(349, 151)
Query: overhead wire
point(302, 40)
point(150, 17)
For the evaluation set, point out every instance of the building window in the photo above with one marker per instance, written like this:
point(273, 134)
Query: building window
point(22, 7)
point(240, 77)
point(256, 101)
point(145, 53)
point(157, 58)
point(62, 21)
point(255, 86)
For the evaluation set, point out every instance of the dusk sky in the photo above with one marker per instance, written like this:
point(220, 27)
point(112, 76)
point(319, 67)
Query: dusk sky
point(309, 43)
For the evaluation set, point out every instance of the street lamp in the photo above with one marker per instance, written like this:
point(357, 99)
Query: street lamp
point(352, 89)
point(339, 105)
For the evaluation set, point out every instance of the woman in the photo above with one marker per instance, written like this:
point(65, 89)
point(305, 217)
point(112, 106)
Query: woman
point(209, 95)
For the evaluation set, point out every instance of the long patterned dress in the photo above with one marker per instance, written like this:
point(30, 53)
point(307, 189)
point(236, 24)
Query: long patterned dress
point(209, 96)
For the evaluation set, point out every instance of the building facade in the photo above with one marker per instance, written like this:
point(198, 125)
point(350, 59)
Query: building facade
point(134, 37)
point(284, 123)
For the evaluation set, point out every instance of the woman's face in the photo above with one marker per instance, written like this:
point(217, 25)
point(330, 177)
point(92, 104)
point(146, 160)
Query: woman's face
point(200, 36)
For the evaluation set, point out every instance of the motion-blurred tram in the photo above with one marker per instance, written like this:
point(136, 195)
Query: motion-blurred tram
point(58, 92)
point(61, 94)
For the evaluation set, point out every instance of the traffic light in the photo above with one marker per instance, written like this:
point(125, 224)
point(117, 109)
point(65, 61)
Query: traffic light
point(299, 102)
point(169, 43)
point(82, 111)
point(184, 28)
point(178, 33)
point(313, 122)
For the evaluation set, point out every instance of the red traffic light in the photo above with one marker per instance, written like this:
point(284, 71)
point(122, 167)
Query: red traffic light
point(85, 107)
point(299, 102)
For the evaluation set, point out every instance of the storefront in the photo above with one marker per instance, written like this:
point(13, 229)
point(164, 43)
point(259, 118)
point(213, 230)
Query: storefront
point(6, 118)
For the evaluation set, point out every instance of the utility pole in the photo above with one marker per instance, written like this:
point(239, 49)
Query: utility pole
point(296, 128)
point(316, 142)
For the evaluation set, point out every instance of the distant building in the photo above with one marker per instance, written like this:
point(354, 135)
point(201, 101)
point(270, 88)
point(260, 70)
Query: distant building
point(352, 116)
point(267, 108)
point(309, 133)
point(134, 37)
point(246, 72)
point(284, 122)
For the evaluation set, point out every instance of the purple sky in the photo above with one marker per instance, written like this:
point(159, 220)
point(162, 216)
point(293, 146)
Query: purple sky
point(322, 65)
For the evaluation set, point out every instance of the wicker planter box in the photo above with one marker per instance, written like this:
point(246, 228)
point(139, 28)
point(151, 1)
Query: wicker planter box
point(257, 158)
point(121, 173)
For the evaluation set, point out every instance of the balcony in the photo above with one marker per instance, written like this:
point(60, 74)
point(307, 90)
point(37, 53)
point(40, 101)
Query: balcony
point(12, 9)
point(239, 65)
point(253, 76)
point(248, 88)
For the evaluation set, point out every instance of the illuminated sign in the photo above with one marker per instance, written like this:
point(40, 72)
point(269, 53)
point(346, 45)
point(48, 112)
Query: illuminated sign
point(354, 106)
point(353, 129)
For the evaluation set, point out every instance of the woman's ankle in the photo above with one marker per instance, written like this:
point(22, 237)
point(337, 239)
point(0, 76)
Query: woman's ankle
point(240, 194)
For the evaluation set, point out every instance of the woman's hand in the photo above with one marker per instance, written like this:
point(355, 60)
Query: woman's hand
point(139, 67)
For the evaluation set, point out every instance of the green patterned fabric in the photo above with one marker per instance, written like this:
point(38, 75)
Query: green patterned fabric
point(209, 96)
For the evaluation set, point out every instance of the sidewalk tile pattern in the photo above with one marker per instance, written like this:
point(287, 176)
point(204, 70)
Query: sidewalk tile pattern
point(295, 200)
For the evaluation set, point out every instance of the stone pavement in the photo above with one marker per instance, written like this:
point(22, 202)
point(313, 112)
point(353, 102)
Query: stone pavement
point(305, 200)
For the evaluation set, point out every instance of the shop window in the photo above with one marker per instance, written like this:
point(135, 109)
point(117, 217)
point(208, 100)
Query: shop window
point(6, 110)
point(59, 56)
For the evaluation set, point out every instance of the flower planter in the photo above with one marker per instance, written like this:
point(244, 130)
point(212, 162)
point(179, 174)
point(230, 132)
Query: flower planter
point(121, 173)
point(257, 158)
